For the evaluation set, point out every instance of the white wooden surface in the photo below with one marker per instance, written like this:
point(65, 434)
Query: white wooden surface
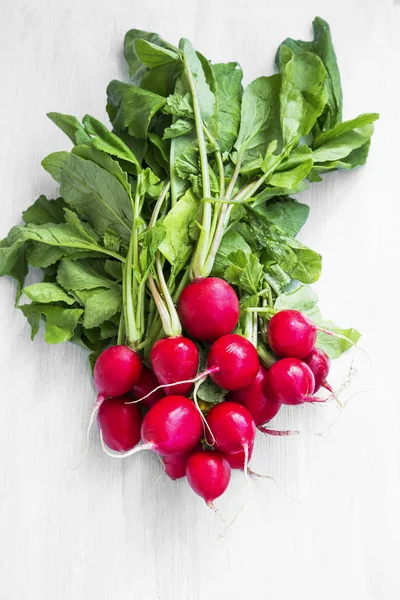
point(111, 529)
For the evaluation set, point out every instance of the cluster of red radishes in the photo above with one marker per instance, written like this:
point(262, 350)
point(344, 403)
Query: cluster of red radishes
point(205, 445)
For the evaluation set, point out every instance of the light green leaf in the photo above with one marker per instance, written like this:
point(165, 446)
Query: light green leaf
point(47, 293)
point(176, 225)
point(179, 106)
point(80, 275)
point(60, 322)
point(101, 305)
point(231, 242)
point(178, 128)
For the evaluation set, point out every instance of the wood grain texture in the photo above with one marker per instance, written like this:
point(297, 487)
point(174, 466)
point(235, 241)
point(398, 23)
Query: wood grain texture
point(113, 529)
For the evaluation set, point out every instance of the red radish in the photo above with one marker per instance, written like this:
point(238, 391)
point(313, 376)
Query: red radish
point(255, 399)
point(175, 359)
point(208, 308)
point(117, 370)
point(319, 363)
point(146, 384)
point(208, 475)
point(232, 427)
point(119, 423)
point(291, 334)
point(235, 361)
point(290, 381)
point(238, 460)
point(172, 426)
point(175, 464)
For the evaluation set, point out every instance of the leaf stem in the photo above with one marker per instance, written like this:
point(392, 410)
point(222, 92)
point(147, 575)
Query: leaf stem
point(203, 242)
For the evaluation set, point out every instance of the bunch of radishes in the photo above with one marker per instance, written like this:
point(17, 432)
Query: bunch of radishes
point(171, 250)
point(160, 414)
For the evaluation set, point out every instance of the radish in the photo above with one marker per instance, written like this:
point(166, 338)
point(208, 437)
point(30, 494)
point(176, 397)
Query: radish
point(146, 387)
point(208, 475)
point(291, 334)
point(232, 362)
point(290, 381)
point(175, 464)
point(119, 423)
point(172, 426)
point(208, 308)
point(232, 427)
point(319, 363)
point(175, 359)
point(117, 370)
point(255, 399)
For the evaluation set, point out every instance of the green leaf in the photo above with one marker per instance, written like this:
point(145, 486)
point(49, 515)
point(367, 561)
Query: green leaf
point(92, 191)
point(303, 95)
point(108, 142)
point(176, 225)
point(322, 47)
point(71, 127)
point(205, 96)
point(101, 305)
point(47, 293)
point(229, 90)
point(245, 271)
point(17, 267)
point(209, 391)
point(231, 243)
point(104, 161)
point(339, 142)
point(153, 55)
point(295, 170)
point(60, 322)
point(178, 128)
point(80, 275)
point(179, 106)
point(303, 299)
point(289, 214)
point(131, 108)
point(44, 211)
point(136, 67)
point(259, 124)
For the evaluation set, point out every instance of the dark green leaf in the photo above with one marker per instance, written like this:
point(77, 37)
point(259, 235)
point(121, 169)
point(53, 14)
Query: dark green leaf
point(71, 127)
point(228, 78)
point(44, 211)
point(131, 108)
point(92, 191)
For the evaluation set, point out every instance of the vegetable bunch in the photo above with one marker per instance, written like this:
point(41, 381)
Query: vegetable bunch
point(180, 220)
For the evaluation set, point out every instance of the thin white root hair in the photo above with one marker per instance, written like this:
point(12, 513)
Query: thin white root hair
point(198, 377)
point(277, 485)
point(93, 414)
point(246, 463)
point(205, 424)
point(114, 454)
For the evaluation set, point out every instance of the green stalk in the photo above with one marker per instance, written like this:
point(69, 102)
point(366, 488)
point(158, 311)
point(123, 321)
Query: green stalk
point(132, 333)
point(203, 242)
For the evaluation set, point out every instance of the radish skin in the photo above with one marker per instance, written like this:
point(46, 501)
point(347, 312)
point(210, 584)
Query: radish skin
point(175, 359)
point(116, 371)
point(208, 308)
point(120, 423)
point(234, 360)
point(208, 474)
